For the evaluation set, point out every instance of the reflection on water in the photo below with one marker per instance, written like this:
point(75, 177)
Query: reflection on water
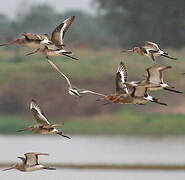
point(95, 149)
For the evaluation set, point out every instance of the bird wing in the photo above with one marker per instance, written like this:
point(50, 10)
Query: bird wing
point(31, 36)
point(123, 71)
point(121, 79)
point(155, 74)
point(38, 113)
point(59, 32)
point(139, 91)
point(83, 91)
point(32, 158)
point(152, 45)
point(22, 159)
point(56, 68)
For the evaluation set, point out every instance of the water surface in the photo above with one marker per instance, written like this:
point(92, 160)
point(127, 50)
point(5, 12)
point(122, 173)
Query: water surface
point(95, 149)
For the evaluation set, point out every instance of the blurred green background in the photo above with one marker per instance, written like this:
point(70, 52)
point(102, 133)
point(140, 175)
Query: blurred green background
point(97, 39)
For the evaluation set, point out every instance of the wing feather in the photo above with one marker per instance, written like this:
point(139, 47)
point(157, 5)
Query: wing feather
point(152, 45)
point(121, 79)
point(60, 31)
point(139, 91)
point(38, 113)
point(31, 36)
point(32, 158)
point(155, 74)
point(58, 70)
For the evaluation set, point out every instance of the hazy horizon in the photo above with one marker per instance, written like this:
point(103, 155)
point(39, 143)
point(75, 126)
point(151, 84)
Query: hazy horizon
point(12, 9)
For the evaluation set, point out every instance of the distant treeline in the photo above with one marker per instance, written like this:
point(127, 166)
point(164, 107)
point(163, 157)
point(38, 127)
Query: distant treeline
point(120, 22)
point(132, 21)
point(86, 29)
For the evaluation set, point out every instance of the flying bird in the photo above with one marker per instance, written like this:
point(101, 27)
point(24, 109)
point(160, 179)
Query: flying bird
point(154, 80)
point(74, 91)
point(150, 49)
point(30, 163)
point(43, 126)
point(57, 48)
point(123, 95)
point(30, 40)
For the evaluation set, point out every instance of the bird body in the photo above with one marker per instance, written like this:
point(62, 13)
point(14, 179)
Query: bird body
point(154, 80)
point(74, 91)
point(30, 163)
point(137, 95)
point(41, 129)
point(43, 126)
point(57, 46)
point(30, 40)
point(151, 50)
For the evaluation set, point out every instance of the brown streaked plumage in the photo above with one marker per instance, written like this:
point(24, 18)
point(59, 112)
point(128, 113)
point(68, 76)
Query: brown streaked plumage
point(138, 94)
point(43, 126)
point(30, 163)
point(57, 48)
point(150, 49)
point(74, 91)
point(30, 40)
point(121, 95)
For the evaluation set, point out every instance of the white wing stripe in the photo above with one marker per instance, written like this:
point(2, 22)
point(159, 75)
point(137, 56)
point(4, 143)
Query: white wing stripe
point(38, 111)
point(122, 76)
point(62, 32)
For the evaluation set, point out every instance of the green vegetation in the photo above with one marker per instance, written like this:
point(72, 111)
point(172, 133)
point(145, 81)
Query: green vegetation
point(32, 77)
point(125, 122)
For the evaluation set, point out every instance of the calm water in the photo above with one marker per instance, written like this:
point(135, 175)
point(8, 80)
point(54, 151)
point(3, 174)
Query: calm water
point(92, 149)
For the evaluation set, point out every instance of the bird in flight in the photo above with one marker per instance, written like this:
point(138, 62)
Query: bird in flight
point(30, 163)
point(43, 126)
point(74, 91)
point(154, 80)
point(125, 95)
point(57, 39)
point(30, 40)
point(150, 49)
